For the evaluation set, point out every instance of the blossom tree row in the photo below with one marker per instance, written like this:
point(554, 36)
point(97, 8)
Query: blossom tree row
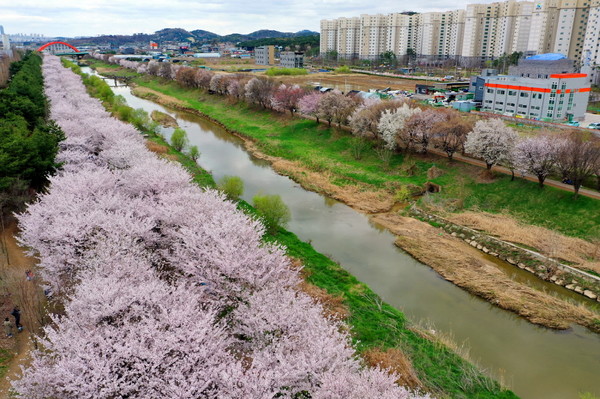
point(168, 289)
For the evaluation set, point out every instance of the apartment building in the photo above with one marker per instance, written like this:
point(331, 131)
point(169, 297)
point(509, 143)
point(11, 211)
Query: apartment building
point(264, 55)
point(560, 97)
point(481, 31)
point(328, 41)
point(348, 37)
point(291, 59)
point(591, 45)
point(4, 41)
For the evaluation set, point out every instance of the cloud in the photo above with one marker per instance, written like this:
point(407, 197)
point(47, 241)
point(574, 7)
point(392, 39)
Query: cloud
point(71, 18)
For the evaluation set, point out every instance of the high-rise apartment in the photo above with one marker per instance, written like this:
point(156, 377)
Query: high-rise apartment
point(481, 31)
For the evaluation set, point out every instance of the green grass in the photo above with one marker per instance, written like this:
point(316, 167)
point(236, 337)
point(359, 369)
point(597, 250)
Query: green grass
point(286, 72)
point(5, 358)
point(373, 323)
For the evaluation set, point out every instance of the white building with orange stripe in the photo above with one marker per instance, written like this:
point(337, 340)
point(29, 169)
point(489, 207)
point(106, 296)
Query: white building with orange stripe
point(560, 97)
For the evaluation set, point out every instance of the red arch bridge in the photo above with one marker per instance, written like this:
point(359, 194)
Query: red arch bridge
point(62, 48)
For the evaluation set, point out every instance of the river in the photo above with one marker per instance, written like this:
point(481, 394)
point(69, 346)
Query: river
point(534, 362)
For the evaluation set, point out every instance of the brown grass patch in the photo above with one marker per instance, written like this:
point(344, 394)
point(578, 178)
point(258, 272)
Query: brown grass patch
point(395, 361)
point(164, 119)
point(463, 265)
point(333, 305)
point(157, 148)
point(585, 254)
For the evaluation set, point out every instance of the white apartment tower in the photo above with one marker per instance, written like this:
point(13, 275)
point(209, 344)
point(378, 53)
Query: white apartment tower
point(591, 45)
point(373, 36)
point(348, 37)
point(482, 31)
point(328, 40)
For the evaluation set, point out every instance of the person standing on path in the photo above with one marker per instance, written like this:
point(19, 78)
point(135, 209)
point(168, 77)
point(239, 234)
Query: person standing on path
point(16, 313)
point(8, 328)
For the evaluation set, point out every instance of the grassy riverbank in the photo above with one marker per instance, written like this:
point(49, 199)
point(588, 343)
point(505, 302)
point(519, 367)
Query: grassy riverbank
point(375, 326)
point(327, 151)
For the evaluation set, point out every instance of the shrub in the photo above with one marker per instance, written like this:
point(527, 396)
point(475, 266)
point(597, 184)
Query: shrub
point(232, 187)
point(179, 139)
point(342, 69)
point(194, 153)
point(286, 71)
point(273, 211)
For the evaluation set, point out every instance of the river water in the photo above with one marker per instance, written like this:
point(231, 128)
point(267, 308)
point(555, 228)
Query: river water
point(534, 362)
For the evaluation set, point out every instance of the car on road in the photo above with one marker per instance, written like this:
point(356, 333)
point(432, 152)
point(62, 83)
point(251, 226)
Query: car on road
point(576, 124)
point(594, 125)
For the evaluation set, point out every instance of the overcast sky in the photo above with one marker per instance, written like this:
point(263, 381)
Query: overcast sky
point(95, 17)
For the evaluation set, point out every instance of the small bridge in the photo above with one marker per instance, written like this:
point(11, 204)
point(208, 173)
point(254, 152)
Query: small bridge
point(62, 48)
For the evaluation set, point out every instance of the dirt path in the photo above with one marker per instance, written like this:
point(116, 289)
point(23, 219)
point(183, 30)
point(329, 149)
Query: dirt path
point(15, 269)
point(452, 258)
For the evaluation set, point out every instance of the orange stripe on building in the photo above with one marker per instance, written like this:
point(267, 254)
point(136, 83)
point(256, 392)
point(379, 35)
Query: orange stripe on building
point(585, 89)
point(568, 75)
point(522, 88)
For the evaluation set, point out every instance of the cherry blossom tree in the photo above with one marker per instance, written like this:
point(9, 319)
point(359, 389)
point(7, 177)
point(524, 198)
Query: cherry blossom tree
point(537, 155)
point(418, 128)
point(365, 119)
point(491, 140)
point(392, 123)
point(259, 91)
point(578, 157)
point(334, 106)
point(285, 98)
point(309, 104)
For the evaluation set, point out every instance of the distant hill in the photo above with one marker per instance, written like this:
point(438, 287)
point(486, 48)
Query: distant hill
point(182, 35)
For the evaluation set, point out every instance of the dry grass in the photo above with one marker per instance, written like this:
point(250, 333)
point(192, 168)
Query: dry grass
point(359, 196)
point(157, 148)
point(333, 306)
point(463, 265)
point(395, 361)
point(584, 254)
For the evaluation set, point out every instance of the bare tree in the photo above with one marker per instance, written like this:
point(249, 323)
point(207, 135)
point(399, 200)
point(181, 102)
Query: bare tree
point(450, 135)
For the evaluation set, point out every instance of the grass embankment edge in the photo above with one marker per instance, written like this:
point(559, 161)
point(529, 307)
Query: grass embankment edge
point(374, 324)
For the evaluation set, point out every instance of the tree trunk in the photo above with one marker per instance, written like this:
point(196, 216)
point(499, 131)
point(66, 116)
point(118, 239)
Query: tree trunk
point(512, 175)
point(489, 165)
point(576, 187)
point(541, 180)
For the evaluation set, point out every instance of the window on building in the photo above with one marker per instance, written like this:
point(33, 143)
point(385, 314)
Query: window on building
point(512, 93)
point(523, 94)
point(490, 90)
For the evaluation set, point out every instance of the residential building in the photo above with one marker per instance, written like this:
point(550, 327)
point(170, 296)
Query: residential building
point(264, 55)
point(328, 41)
point(479, 32)
point(348, 37)
point(292, 59)
point(563, 96)
point(591, 46)
point(4, 41)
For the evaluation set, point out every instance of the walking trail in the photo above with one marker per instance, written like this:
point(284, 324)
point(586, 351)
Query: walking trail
point(18, 263)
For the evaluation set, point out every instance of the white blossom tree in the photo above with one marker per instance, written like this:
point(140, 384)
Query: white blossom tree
point(491, 140)
point(537, 155)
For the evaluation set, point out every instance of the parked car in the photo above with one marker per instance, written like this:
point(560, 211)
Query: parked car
point(573, 123)
point(594, 125)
